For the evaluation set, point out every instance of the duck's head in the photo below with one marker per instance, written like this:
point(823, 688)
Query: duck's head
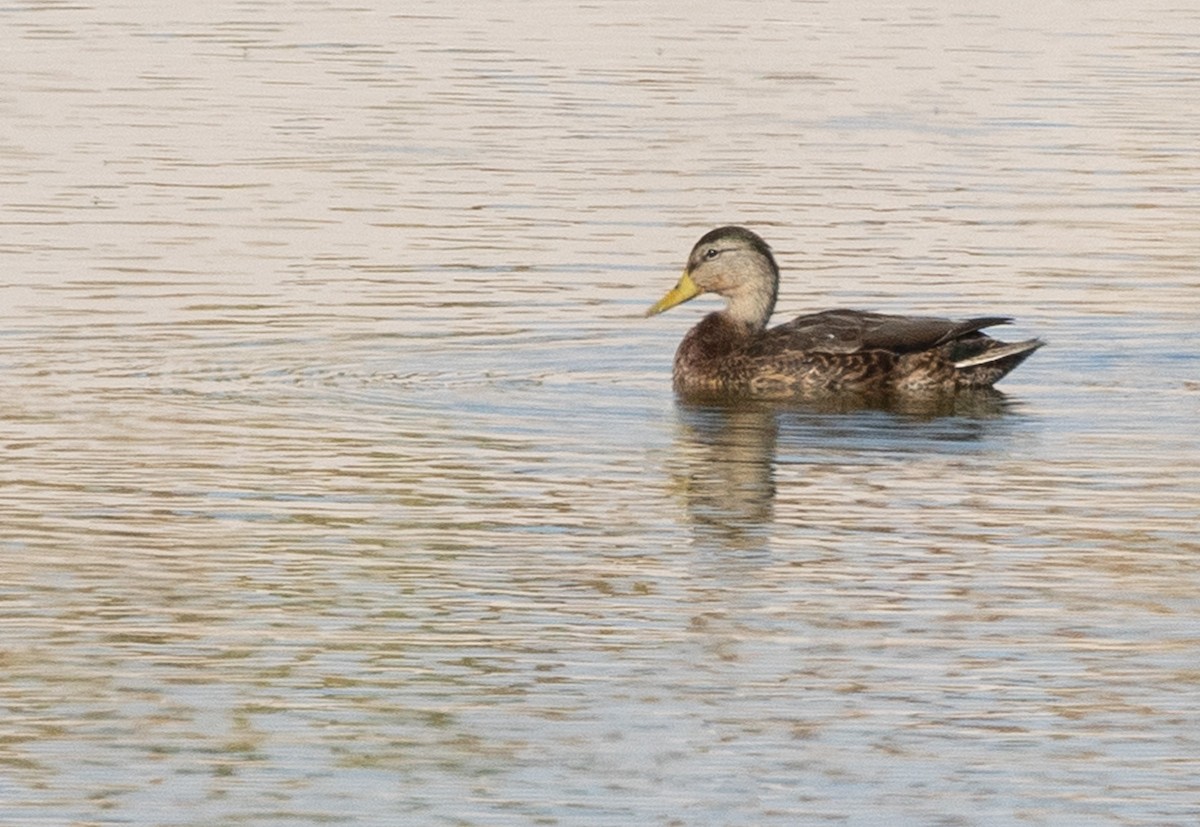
point(735, 263)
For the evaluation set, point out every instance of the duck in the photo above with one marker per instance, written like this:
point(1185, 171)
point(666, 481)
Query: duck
point(732, 353)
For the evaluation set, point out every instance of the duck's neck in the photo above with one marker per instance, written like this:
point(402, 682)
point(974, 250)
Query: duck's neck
point(751, 307)
point(750, 291)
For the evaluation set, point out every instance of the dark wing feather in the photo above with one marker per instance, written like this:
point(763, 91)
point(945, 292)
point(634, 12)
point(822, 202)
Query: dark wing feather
point(852, 331)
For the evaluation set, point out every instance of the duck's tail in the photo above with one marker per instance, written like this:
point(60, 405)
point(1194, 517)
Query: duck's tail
point(991, 360)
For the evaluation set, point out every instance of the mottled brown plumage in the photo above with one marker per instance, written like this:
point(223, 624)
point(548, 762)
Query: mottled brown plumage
point(732, 352)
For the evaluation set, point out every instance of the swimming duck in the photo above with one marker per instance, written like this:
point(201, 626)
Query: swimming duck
point(732, 353)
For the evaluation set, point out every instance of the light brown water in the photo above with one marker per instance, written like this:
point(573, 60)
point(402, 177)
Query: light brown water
point(342, 481)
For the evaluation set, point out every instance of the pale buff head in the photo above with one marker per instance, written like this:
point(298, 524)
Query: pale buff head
point(735, 263)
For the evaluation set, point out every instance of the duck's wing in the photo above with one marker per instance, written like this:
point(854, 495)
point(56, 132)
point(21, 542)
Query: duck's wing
point(853, 331)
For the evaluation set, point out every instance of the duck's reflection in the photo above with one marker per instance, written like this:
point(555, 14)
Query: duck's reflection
point(725, 471)
point(726, 454)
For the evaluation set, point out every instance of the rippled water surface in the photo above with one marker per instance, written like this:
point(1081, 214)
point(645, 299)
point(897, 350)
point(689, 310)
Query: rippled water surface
point(342, 480)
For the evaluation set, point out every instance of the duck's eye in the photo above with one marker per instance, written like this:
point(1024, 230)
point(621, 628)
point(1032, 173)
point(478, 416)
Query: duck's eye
point(711, 253)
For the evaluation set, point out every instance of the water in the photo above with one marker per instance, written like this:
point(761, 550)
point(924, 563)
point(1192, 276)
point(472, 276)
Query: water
point(343, 482)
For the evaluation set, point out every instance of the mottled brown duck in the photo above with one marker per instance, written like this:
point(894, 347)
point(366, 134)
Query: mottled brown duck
point(732, 353)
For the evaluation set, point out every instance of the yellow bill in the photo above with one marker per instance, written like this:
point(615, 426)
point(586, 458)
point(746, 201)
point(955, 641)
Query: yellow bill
point(681, 292)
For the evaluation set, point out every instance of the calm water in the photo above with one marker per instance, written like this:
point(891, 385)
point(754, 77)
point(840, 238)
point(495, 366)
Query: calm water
point(342, 481)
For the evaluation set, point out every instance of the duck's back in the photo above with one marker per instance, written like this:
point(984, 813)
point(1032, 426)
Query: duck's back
point(854, 331)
